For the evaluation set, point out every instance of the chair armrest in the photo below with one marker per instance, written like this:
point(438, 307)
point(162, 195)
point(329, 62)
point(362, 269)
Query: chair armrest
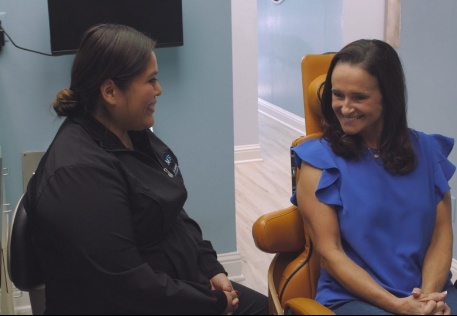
point(305, 306)
point(279, 231)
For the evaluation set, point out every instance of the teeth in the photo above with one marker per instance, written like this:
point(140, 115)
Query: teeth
point(351, 118)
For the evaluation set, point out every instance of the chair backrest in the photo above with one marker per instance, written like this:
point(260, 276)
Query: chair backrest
point(295, 269)
point(22, 260)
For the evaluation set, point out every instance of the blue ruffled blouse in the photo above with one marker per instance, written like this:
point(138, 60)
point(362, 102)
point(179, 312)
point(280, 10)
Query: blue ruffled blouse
point(386, 220)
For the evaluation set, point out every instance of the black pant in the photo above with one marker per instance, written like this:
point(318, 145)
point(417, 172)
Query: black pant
point(251, 302)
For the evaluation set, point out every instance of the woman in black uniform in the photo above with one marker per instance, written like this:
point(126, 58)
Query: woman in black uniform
point(106, 202)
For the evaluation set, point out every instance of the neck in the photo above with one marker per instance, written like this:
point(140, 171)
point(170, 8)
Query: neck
point(372, 144)
point(104, 118)
point(127, 141)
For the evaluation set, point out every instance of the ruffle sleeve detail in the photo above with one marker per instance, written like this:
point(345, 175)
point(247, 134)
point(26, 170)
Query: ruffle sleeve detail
point(317, 153)
point(441, 146)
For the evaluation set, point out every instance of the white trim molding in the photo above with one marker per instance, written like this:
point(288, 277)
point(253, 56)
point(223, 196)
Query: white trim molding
point(248, 153)
point(232, 264)
point(393, 23)
point(284, 117)
point(253, 152)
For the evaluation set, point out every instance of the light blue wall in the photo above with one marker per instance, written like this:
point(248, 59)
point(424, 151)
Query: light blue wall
point(427, 48)
point(194, 114)
point(286, 32)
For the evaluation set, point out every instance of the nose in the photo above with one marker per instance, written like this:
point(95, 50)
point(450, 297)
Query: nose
point(158, 89)
point(346, 107)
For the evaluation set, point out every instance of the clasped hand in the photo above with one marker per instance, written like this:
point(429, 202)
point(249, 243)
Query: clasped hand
point(430, 303)
point(221, 282)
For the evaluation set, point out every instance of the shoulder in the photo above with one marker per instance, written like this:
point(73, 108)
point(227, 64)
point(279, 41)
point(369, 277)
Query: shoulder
point(74, 151)
point(433, 142)
point(313, 144)
point(316, 152)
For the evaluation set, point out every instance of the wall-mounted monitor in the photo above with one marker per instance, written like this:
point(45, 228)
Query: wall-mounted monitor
point(68, 19)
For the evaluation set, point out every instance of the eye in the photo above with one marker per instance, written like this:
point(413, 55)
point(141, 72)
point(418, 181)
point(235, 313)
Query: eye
point(338, 95)
point(153, 80)
point(359, 97)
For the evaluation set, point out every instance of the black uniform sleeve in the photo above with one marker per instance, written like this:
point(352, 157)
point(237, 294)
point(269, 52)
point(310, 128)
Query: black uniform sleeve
point(208, 256)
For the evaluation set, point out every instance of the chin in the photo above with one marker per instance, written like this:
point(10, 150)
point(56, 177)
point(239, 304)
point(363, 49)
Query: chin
point(149, 122)
point(350, 131)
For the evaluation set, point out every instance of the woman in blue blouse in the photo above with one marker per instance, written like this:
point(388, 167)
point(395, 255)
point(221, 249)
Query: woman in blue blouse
point(375, 193)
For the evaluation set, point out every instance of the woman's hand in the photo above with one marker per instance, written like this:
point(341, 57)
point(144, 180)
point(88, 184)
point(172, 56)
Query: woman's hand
point(437, 308)
point(427, 303)
point(232, 302)
point(221, 282)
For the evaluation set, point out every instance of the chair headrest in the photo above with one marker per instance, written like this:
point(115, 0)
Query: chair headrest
point(315, 89)
point(314, 69)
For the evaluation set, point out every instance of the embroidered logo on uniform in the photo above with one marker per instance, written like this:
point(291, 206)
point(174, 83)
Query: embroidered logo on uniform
point(170, 162)
point(167, 157)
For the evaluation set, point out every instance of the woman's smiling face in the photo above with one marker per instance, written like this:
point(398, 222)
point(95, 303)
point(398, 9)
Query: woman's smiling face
point(357, 102)
point(139, 100)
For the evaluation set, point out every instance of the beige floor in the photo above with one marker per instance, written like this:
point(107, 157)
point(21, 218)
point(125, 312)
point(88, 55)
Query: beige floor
point(262, 187)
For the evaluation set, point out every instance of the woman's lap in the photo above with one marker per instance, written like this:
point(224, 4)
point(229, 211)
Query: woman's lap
point(251, 302)
point(358, 308)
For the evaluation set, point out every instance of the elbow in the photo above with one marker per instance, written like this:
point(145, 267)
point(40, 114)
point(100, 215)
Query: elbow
point(330, 258)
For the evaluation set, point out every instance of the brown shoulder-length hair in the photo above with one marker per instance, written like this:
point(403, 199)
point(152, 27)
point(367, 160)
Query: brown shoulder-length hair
point(381, 61)
point(107, 51)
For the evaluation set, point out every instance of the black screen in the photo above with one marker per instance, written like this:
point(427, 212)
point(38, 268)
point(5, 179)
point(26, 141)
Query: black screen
point(69, 19)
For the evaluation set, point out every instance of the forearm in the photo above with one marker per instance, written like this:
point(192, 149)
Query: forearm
point(357, 281)
point(437, 264)
point(437, 260)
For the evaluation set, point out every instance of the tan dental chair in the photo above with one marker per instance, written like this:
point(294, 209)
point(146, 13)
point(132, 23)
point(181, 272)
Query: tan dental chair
point(294, 270)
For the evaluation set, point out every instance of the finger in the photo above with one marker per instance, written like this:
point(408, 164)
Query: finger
point(433, 296)
point(439, 308)
point(429, 308)
point(416, 292)
point(228, 287)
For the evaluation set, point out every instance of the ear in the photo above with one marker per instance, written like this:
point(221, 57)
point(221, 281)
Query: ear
point(109, 91)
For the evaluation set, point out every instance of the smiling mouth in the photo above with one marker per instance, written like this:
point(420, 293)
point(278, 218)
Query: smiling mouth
point(352, 119)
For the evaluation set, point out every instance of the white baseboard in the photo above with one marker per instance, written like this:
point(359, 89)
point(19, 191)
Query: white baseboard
point(232, 264)
point(284, 117)
point(248, 153)
point(251, 153)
